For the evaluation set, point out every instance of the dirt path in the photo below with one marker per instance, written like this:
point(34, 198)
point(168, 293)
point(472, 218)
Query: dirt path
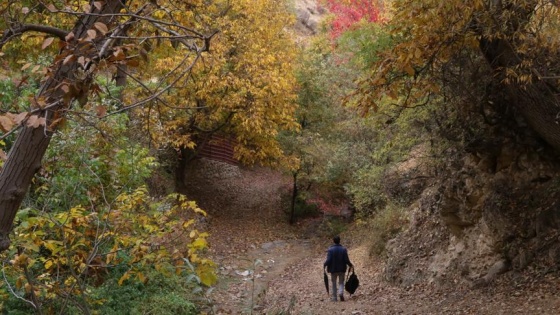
point(245, 280)
point(289, 281)
point(302, 292)
point(269, 267)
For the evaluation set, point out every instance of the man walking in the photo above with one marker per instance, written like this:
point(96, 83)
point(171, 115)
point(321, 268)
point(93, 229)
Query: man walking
point(337, 260)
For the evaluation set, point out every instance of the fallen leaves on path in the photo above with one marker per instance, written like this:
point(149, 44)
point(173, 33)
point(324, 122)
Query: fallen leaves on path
point(268, 267)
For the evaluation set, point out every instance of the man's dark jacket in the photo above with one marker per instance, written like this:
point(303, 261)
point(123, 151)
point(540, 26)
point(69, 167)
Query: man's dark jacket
point(337, 259)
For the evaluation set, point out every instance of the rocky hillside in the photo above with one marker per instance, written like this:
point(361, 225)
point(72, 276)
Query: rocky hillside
point(309, 16)
point(494, 214)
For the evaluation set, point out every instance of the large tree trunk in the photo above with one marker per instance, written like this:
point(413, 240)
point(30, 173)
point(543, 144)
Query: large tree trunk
point(58, 92)
point(22, 164)
point(185, 157)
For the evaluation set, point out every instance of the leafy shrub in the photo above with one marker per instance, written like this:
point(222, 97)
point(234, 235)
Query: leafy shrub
point(85, 167)
point(13, 306)
point(366, 190)
point(304, 209)
point(384, 225)
point(334, 226)
point(161, 295)
point(68, 254)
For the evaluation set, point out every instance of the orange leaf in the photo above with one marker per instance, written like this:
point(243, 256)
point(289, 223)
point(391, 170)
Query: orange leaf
point(101, 111)
point(119, 54)
point(133, 63)
point(61, 44)
point(47, 42)
point(55, 123)
point(392, 94)
point(409, 70)
point(101, 27)
point(6, 124)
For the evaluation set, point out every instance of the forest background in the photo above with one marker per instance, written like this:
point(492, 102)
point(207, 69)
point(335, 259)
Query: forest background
point(406, 115)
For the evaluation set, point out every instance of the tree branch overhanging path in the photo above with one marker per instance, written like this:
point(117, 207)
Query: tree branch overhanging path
point(97, 38)
point(511, 35)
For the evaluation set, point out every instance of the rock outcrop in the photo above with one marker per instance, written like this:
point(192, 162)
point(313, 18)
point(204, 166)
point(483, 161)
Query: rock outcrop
point(308, 18)
point(494, 213)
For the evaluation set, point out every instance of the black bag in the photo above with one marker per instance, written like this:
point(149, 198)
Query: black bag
point(352, 282)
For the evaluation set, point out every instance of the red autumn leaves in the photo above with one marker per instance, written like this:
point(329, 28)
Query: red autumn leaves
point(349, 12)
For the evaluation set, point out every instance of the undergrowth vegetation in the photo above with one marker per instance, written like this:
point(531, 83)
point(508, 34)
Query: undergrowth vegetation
point(91, 238)
point(351, 158)
point(383, 226)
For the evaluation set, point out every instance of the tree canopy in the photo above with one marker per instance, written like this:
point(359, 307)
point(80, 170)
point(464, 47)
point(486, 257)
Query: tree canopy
point(91, 79)
point(188, 68)
point(517, 38)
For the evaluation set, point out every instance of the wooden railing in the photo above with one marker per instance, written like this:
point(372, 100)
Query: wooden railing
point(218, 148)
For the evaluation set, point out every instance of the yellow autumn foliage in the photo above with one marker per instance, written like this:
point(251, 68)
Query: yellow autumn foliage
point(243, 86)
point(194, 67)
point(68, 249)
point(428, 34)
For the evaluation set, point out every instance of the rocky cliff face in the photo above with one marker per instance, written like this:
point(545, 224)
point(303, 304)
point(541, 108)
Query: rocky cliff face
point(308, 18)
point(487, 212)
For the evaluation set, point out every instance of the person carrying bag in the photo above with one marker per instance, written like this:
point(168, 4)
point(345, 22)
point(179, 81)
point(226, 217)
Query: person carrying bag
point(336, 263)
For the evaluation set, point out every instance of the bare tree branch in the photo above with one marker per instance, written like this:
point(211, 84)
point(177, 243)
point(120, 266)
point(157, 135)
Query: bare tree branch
point(12, 290)
point(156, 95)
point(20, 29)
